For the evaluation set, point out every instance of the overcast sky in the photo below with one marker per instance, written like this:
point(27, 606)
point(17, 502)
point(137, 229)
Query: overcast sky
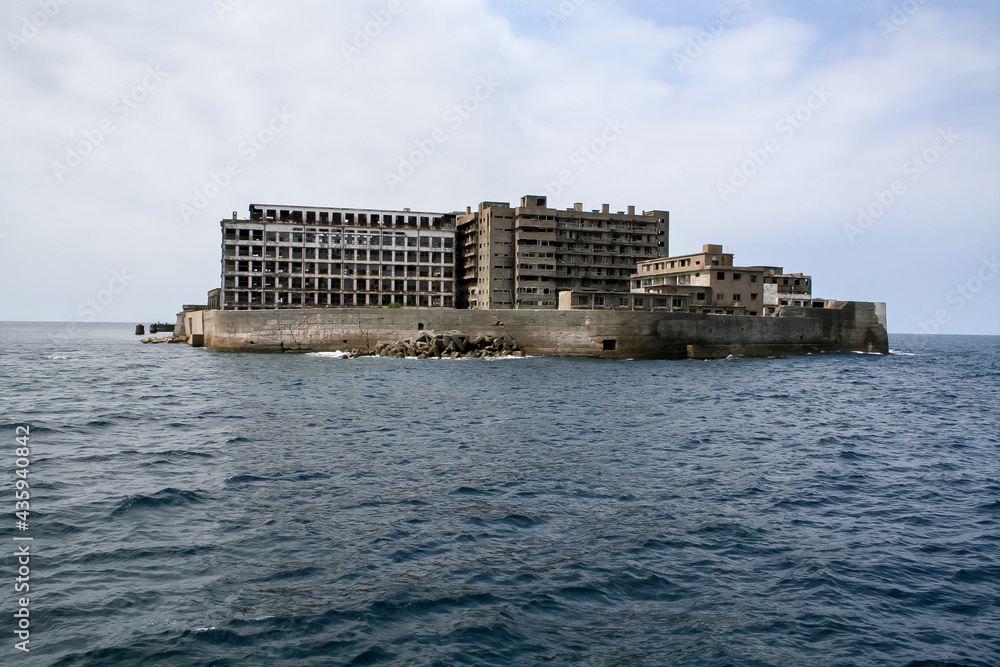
point(854, 140)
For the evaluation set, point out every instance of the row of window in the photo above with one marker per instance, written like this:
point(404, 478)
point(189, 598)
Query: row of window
point(348, 237)
point(247, 300)
point(322, 268)
point(338, 217)
point(412, 256)
point(580, 250)
point(361, 284)
point(637, 302)
point(673, 264)
point(685, 278)
point(721, 275)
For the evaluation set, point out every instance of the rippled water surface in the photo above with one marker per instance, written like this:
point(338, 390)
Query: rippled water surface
point(192, 508)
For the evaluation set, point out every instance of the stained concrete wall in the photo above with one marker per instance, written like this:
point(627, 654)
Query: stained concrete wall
point(635, 334)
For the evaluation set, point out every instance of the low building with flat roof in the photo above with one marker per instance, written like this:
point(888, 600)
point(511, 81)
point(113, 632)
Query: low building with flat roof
point(714, 285)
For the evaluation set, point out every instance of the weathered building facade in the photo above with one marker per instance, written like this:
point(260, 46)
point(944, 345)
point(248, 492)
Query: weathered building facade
point(522, 257)
point(709, 283)
point(496, 257)
point(297, 257)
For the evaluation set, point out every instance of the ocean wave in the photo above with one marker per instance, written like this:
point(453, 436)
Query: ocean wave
point(565, 511)
point(169, 497)
point(245, 479)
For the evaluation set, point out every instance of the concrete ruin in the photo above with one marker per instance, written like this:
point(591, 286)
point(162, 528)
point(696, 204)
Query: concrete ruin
point(844, 326)
point(525, 279)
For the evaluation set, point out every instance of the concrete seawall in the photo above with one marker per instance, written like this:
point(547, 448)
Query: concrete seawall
point(844, 327)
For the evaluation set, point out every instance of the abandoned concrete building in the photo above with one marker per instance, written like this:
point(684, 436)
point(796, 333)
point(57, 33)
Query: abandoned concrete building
point(708, 282)
point(496, 257)
point(296, 257)
point(522, 257)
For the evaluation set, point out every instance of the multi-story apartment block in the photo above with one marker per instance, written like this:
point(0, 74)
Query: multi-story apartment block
point(707, 282)
point(522, 257)
point(287, 257)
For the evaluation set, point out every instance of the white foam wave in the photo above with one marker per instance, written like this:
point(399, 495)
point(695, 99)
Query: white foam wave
point(900, 353)
point(337, 354)
point(340, 355)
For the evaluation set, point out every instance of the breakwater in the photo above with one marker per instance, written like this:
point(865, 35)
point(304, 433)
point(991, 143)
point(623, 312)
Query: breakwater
point(841, 326)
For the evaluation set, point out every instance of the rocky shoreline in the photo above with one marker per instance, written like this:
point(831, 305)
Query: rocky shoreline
point(452, 345)
point(165, 339)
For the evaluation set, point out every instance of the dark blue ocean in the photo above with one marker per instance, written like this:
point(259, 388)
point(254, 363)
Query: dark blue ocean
point(195, 508)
